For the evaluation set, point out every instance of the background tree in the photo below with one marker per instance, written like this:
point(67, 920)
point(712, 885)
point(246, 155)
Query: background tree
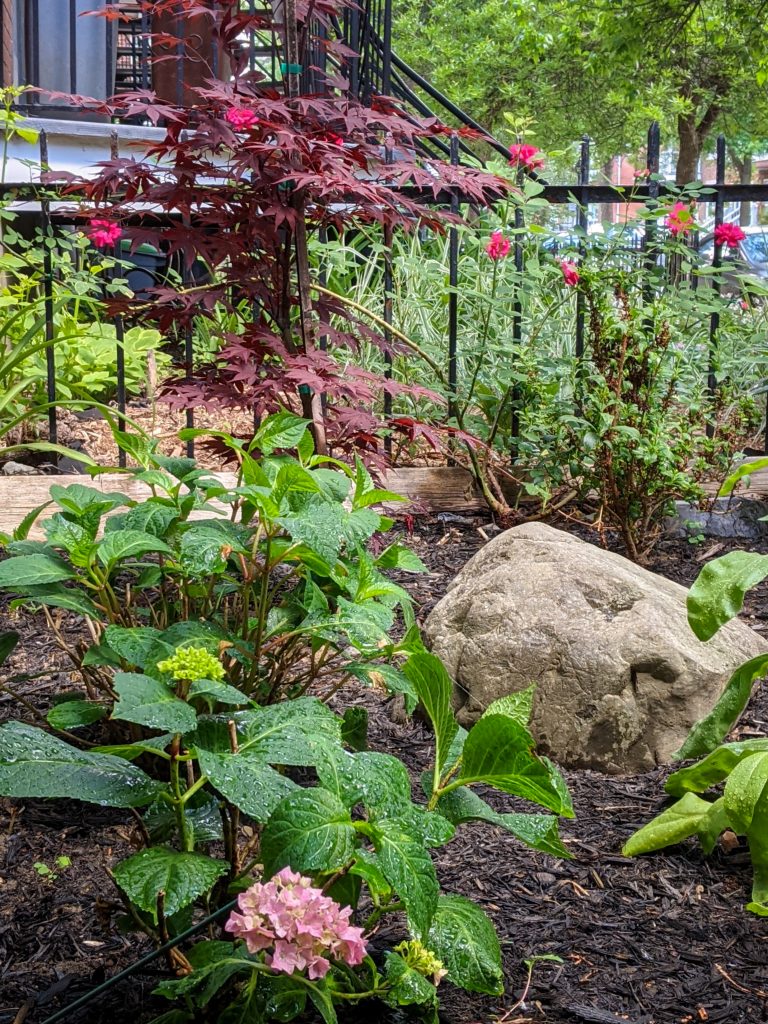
point(601, 68)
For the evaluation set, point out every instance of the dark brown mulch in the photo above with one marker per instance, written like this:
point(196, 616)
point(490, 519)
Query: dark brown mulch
point(659, 940)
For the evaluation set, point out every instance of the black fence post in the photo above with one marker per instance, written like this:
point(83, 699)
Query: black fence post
point(114, 152)
point(714, 319)
point(517, 319)
point(651, 227)
point(453, 293)
point(582, 222)
point(50, 355)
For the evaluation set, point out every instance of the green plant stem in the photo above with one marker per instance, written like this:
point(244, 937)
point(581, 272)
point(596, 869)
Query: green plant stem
point(378, 912)
point(187, 839)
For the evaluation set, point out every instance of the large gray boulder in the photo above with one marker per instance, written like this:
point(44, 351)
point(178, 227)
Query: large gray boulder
point(620, 677)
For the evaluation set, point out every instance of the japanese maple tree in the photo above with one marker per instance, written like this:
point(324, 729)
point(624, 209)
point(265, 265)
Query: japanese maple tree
point(241, 181)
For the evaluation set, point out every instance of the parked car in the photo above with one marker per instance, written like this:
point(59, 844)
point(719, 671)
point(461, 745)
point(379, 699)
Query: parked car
point(748, 262)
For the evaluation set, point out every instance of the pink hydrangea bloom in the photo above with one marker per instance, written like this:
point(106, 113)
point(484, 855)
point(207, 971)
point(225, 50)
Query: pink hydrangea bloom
point(241, 119)
point(569, 272)
point(104, 233)
point(680, 219)
point(498, 247)
point(304, 928)
point(530, 158)
point(644, 172)
point(729, 234)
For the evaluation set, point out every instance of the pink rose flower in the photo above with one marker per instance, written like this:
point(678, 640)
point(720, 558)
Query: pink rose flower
point(569, 272)
point(304, 928)
point(104, 233)
point(241, 118)
point(498, 247)
point(644, 173)
point(680, 219)
point(729, 234)
point(530, 158)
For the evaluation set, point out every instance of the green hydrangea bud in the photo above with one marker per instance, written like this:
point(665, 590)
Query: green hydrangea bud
point(421, 960)
point(192, 663)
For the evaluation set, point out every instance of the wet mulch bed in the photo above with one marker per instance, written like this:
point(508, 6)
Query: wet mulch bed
point(659, 940)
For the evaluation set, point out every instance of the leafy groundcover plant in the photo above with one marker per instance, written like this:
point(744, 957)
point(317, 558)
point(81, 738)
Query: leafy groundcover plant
point(732, 776)
point(215, 643)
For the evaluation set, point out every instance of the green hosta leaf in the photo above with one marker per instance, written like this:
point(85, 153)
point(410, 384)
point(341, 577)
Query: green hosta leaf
point(743, 790)
point(714, 727)
point(697, 778)
point(217, 692)
point(35, 764)
point(408, 868)
point(309, 831)
point(499, 752)
point(539, 831)
point(71, 714)
point(407, 986)
point(181, 876)
point(150, 702)
point(122, 544)
point(56, 595)
point(246, 781)
point(515, 705)
point(434, 689)
point(683, 819)
point(464, 938)
point(717, 595)
point(33, 571)
point(203, 552)
point(132, 644)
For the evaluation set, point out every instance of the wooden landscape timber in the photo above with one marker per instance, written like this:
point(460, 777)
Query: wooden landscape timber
point(429, 490)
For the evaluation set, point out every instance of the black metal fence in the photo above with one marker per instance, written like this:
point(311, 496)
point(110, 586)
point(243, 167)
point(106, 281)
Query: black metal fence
point(374, 70)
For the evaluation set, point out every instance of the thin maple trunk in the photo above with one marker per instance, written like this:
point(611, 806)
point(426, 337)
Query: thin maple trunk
point(310, 400)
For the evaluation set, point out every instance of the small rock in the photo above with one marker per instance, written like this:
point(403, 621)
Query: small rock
point(19, 469)
point(620, 675)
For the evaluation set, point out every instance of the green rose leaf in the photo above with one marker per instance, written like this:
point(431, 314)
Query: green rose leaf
point(150, 702)
point(499, 752)
point(33, 571)
point(464, 938)
point(181, 876)
point(35, 764)
point(310, 831)
point(408, 868)
point(683, 819)
point(717, 594)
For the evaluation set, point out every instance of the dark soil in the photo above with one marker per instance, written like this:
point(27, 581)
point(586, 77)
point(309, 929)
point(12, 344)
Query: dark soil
point(662, 939)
